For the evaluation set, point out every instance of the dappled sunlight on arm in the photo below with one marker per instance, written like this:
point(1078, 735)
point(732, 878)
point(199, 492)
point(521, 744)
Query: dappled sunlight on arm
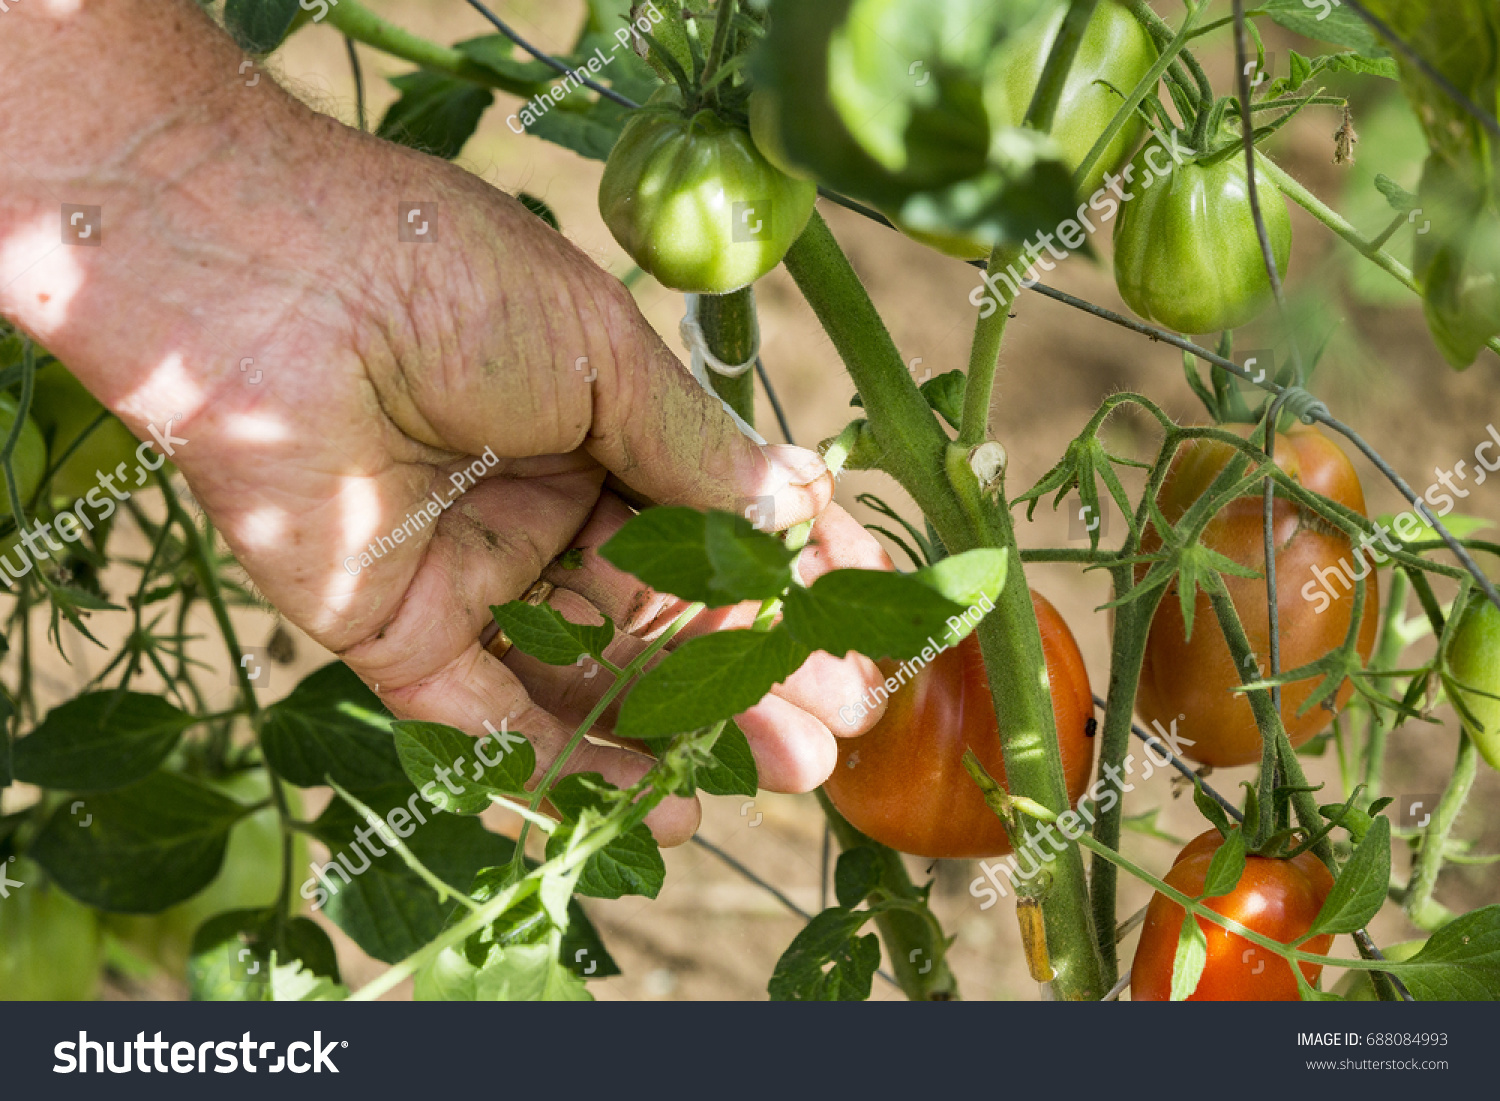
point(34, 264)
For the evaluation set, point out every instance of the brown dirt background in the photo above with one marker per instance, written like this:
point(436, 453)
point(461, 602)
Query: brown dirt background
point(714, 935)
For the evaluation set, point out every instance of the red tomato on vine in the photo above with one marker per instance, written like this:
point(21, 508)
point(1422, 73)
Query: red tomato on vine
point(1279, 899)
point(1191, 681)
point(904, 782)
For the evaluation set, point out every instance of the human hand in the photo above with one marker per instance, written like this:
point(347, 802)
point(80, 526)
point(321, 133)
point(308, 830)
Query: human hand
point(244, 229)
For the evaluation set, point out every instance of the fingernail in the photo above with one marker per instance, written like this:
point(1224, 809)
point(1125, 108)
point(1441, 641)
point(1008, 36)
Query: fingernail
point(795, 466)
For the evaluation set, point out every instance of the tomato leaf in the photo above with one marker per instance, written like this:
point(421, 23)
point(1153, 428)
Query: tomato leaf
point(1225, 868)
point(1460, 962)
point(438, 758)
point(230, 958)
point(1323, 21)
point(331, 725)
point(436, 113)
point(631, 864)
point(145, 847)
point(1191, 957)
point(709, 678)
point(714, 558)
point(729, 770)
point(803, 972)
point(1209, 807)
point(856, 875)
point(100, 741)
point(259, 26)
point(372, 894)
point(1361, 887)
point(543, 632)
point(882, 614)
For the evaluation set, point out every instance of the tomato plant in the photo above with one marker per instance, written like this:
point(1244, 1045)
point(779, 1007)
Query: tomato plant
point(979, 128)
point(1191, 679)
point(904, 783)
point(1276, 898)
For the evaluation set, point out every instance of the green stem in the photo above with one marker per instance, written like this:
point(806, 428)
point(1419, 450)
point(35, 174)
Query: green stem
point(910, 937)
point(1343, 228)
point(363, 25)
point(1387, 654)
point(1429, 860)
point(539, 794)
point(917, 453)
point(1049, 89)
point(374, 820)
point(984, 353)
point(729, 329)
point(1137, 96)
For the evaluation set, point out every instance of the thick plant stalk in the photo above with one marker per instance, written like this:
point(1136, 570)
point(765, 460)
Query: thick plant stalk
point(729, 328)
point(918, 454)
point(918, 955)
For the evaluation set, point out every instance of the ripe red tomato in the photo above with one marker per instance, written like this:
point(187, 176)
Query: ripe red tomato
point(1275, 898)
point(904, 783)
point(1193, 680)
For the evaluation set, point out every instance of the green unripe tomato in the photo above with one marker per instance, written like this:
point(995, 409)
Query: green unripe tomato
point(1357, 986)
point(249, 879)
point(28, 460)
point(64, 410)
point(1474, 661)
point(50, 947)
point(764, 123)
point(696, 204)
point(1187, 255)
point(1115, 49)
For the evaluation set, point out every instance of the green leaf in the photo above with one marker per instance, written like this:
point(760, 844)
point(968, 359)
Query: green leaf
point(1360, 889)
point(498, 54)
point(631, 864)
point(259, 26)
point(1460, 962)
point(541, 210)
point(714, 558)
point(886, 101)
point(440, 758)
point(147, 846)
point(1192, 955)
point(748, 563)
point(1226, 866)
point(370, 893)
point(541, 631)
point(230, 959)
point(803, 973)
point(1324, 21)
point(730, 768)
point(331, 725)
point(882, 614)
point(437, 114)
point(945, 394)
point(527, 922)
point(856, 875)
point(1209, 807)
point(707, 679)
point(292, 982)
point(524, 973)
point(100, 741)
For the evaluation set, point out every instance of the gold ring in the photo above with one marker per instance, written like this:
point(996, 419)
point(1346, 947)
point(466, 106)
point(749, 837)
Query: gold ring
point(494, 639)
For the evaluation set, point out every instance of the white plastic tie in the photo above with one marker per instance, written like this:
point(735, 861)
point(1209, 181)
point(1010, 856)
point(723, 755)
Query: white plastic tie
point(701, 360)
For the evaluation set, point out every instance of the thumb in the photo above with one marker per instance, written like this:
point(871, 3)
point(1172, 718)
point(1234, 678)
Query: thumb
point(664, 436)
